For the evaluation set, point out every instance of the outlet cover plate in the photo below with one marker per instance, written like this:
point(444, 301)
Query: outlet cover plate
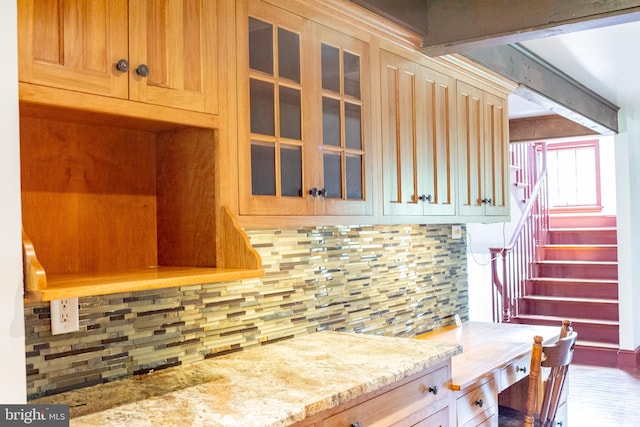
point(64, 316)
point(456, 232)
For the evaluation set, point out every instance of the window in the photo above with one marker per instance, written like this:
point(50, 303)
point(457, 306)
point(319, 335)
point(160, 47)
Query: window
point(573, 170)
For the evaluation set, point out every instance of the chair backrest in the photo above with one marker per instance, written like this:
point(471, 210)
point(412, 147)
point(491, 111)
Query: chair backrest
point(543, 397)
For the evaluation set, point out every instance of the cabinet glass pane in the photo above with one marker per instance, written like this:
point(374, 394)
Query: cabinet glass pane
point(289, 55)
point(291, 171)
point(330, 68)
point(332, 175)
point(330, 121)
point(354, 177)
point(352, 75)
point(290, 113)
point(352, 122)
point(260, 46)
point(263, 167)
point(262, 114)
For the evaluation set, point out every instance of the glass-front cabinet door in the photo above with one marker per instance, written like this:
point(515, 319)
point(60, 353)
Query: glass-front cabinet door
point(271, 126)
point(302, 112)
point(343, 99)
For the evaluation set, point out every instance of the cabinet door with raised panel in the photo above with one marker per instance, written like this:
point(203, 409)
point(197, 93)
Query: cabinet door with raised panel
point(482, 152)
point(341, 105)
point(435, 133)
point(173, 57)
point(470, 106)
point(399, 135)
point(74, 44)
point(496, 156)
point(272, 101)
point(418, 136)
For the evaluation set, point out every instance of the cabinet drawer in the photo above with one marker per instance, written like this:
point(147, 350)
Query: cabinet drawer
point(479, 403)
point(397, 406)
point(482, 421)
point(514, 372)
point(439, 419)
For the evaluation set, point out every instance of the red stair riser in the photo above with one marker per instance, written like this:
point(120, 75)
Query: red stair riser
point(595, 356)
point(596, 236)
point(591, 253)
point(569, 309)
point(582, 221)
point(578, 271)
point(574, 289)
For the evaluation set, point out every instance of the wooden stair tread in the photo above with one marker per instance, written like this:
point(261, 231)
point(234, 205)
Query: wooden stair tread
point(579, 245)
point(559, 319)
point(571, 299)
point(575, 262)
point(570, 280)
point(585, 229)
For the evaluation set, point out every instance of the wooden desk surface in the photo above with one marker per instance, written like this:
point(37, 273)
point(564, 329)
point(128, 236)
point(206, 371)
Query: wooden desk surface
point(488, 347)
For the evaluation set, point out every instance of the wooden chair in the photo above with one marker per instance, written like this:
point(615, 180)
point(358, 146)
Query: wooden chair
point(543, 397)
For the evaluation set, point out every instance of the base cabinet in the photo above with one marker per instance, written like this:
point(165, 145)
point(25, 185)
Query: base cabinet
point(421, 400)
point(478, 406)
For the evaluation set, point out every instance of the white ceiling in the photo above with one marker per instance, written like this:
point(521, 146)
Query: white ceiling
point(606, 60)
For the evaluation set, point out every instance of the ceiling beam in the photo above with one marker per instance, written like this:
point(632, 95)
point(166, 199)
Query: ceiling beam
point(545, 85)
point(455, 26)
point(542, 128)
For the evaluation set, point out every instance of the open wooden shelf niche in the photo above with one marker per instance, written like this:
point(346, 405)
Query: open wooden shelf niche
point(112, 208)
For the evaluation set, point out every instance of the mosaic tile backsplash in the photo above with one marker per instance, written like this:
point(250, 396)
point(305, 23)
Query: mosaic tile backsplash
point(398, 280)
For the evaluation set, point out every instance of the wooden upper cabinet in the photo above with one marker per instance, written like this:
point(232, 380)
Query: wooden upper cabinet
point(273, 108)
point(74, 44)
point(176, 41)
point(303, 104)
point(417, 138)
point(482, 152)
point(78, 44)
point(342, 107)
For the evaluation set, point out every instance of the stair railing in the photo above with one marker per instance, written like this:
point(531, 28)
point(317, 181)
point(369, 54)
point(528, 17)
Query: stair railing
point(512, 265)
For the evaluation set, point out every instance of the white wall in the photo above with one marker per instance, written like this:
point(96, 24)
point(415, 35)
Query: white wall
point(607, 175)
point(12, 357)
point(627, 146)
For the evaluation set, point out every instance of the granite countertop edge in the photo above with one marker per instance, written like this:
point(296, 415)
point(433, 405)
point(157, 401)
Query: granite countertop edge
point(268, 386)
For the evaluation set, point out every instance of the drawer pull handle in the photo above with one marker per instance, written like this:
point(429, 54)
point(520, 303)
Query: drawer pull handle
point(479, 403)
point(522, 369)
point(433, 389)
point(356, 424)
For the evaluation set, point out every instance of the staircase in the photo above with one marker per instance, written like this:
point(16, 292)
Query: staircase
point(576, 278)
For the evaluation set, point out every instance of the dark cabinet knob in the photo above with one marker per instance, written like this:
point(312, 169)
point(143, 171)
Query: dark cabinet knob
point(322, 192)
point(479, 403)
point(486, 201)
point(314, 192)
point(356, 424)
point(433, 389)
point(122, 65)
point(142, 70)
point(522, 369)
point(424, 198)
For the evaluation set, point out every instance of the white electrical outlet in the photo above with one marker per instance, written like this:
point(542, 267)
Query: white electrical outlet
point(456, 232)
point(64, 316)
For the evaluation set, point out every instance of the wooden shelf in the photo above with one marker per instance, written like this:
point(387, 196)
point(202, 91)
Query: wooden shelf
point(141, 279)
point(40, 287)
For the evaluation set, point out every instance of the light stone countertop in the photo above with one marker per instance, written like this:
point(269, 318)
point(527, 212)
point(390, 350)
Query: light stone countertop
point(274, 385)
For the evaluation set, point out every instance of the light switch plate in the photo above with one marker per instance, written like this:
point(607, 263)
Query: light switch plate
point(456, 232)
point(64, 316)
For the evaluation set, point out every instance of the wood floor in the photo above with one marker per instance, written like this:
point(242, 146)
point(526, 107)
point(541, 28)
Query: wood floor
point(603, 397)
